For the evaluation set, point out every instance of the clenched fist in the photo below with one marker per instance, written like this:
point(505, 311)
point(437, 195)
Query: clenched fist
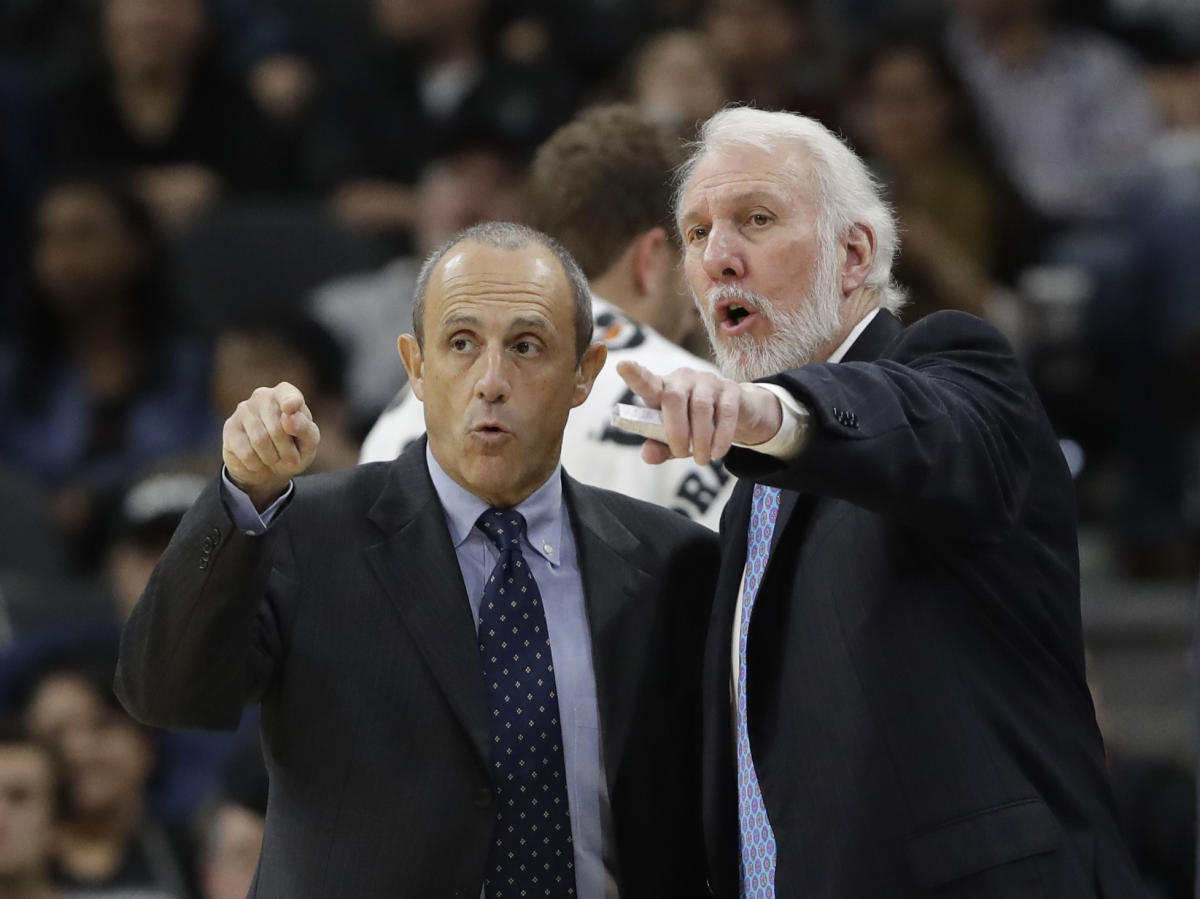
point(268, 440)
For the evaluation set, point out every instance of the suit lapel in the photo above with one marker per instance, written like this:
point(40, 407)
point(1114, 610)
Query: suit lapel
point(620, 625)
point(419, 570)
point(871, 342)
point(795, 510)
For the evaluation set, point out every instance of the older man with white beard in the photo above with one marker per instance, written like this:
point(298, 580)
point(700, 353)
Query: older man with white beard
point(895, 694)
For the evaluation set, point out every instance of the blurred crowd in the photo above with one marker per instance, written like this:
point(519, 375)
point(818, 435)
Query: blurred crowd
point(198, 197)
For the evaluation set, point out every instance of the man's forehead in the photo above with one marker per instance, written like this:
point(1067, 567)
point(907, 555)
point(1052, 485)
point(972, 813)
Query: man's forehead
point(474, 273)
point(467, 260)
point(742, 172)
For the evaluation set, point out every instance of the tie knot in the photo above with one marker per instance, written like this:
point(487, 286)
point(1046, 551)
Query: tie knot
point(503, 527)
point(764, 495)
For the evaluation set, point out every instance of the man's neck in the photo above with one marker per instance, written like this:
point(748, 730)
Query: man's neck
point(856, 307)
point(614, 285)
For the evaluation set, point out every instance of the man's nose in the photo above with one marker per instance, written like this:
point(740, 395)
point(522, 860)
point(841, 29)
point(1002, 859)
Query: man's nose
point(491, 383)
point(723, 259)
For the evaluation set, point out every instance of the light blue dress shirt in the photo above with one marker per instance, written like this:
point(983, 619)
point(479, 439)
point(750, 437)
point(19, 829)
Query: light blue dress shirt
point(549, 549)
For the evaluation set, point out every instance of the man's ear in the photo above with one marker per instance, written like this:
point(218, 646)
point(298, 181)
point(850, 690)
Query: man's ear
point(414, 362)
point(651, 253)
point(860, 249)
point(585, 374)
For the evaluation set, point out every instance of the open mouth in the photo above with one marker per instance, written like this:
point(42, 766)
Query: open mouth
point(733, 316)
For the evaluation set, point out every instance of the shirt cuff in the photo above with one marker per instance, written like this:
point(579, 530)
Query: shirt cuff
point(246, 518)
point(792, 435)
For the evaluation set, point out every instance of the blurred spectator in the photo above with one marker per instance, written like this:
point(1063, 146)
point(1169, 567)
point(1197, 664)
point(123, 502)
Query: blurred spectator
point(840, 24)
point(601, 186)
point(767, 52)
point(30, 802)
point(1067, 109)
point(478, 176)
point(98, 381)
point(912, 127)
point(429, 70)
point(301, 352)
point(47, 37)
point(673, 80)
point(107, 838)
point(280, 79)
point(157, 102)
point(593, 37)
point(234, 833)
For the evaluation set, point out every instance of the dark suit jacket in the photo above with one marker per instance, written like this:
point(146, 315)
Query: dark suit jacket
point(349, 622)
point(917, 707)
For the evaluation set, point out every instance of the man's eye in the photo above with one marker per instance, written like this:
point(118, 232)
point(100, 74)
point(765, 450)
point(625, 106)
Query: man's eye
point(760, 218)
point(524, 348)
point(460, 344)
point(697, 233)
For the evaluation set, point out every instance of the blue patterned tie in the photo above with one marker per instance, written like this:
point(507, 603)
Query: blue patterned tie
point(756, 837)
point(532, 853)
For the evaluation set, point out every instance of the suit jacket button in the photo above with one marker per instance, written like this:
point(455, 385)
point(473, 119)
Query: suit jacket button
point(208, 545)
point(483, 798)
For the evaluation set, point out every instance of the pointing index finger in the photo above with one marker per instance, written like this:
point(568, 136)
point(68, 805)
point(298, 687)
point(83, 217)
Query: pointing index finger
point(642, 381)
point(291, 403)
point(289, 397)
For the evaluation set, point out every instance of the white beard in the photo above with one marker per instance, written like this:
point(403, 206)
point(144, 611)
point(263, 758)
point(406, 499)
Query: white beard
point(799, 333)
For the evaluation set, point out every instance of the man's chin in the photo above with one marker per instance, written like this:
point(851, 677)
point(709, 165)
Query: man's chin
point(759, 360)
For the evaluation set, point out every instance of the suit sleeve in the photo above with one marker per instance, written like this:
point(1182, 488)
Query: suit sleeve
point(939, 435)
point(205, 635)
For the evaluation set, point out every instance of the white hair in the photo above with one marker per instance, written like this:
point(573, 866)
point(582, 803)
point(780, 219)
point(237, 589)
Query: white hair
point(845, 191)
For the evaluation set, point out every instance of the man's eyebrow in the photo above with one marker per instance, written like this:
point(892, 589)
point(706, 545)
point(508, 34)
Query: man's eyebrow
point(461, 319)
point(755, 196)
point(527, 322)
point(751, 197)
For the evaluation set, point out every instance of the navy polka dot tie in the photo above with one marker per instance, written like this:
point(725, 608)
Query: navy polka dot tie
point(532, 852)
point(757, 839)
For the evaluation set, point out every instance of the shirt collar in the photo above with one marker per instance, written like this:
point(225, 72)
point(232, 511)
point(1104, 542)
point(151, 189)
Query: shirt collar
point(841, 351)
point(542, 510)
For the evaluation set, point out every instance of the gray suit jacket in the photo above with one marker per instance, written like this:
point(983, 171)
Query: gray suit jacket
point(348, 621)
